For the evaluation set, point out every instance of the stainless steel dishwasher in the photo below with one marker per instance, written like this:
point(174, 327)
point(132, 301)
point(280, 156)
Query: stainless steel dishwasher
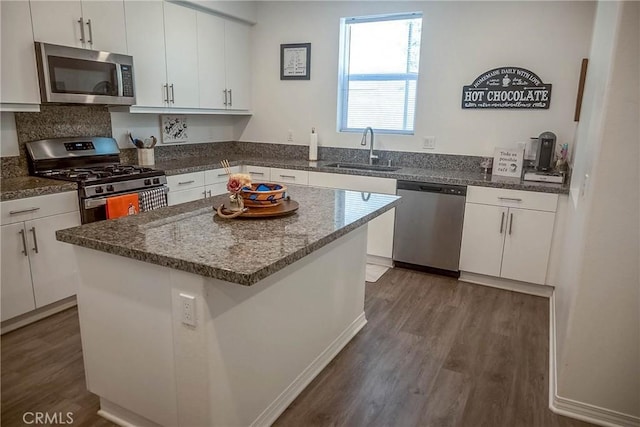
point(428, 227)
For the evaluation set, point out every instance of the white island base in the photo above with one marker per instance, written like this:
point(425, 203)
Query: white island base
point(252, 351)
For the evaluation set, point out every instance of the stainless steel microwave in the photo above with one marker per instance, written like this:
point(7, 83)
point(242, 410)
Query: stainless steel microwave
point(80, 76)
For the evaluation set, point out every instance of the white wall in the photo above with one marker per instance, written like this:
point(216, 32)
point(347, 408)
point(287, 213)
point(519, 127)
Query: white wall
point(200, 128)
point(460, 41)
point(598, 299)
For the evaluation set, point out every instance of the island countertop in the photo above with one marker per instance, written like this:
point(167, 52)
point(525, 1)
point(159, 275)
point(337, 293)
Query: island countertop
point(191, 238)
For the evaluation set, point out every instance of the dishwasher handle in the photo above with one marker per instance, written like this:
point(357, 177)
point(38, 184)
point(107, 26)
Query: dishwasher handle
point(427, 187)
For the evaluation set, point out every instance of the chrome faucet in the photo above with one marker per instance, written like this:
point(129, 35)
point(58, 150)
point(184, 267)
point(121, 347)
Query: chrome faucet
point(372, 156)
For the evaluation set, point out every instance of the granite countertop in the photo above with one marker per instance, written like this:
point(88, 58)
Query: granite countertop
point(189, 237)
point(437, 176)
point(30, 186)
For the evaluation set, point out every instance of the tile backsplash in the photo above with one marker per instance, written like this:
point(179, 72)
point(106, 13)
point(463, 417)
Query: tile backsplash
point(55, 121)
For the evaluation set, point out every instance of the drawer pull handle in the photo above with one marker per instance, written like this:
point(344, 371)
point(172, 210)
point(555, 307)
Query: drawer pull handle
point(187, 182)
point(256, 173)
point(35, 239)
point(24, 242)
point(502, 223)
point(23, 211)
point(510, 224)
point(209, 193)
point(510, 199)
point(221, 175)
point(288, 176)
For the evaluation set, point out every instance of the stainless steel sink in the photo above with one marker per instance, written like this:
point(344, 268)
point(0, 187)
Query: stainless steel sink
point(364, 167)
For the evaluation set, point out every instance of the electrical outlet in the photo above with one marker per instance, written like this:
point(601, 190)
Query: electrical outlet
point(429, 142)
point(290, 135)
point(188, 309)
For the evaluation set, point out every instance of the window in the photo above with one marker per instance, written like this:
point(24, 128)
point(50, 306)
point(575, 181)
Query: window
point(379, 58)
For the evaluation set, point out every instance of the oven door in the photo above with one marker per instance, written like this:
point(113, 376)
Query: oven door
point(94, 209)
point(71, 75)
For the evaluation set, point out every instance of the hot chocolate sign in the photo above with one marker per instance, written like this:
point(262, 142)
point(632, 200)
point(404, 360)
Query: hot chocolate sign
point(507, 87)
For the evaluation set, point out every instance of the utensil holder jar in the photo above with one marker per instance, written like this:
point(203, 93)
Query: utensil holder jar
point(146, 157)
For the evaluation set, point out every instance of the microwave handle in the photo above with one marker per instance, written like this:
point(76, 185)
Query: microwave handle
point(119, 77)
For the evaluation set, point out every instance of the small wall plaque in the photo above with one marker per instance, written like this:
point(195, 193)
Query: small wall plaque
point(507, 87)
point(295, 61)
point(174, 129)
point(508, 162)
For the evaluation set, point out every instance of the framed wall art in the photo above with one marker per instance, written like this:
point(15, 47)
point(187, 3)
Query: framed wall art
point(295, 61)
point(174, 129)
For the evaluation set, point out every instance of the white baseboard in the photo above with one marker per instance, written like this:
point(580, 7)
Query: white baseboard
point(573, 408)
point(380, 260)
point(277, 407)
point(121, 416)
point(37, 314)
point(507, 284)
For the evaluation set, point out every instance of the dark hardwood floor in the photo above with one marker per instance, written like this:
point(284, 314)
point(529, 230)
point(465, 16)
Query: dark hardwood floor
point(436, 352)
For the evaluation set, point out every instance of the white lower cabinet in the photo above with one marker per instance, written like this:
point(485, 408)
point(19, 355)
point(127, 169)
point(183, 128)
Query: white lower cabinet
point(507, 233)
point(36, 269)
point(380, 234)
point(289, 176)
point(188, 187)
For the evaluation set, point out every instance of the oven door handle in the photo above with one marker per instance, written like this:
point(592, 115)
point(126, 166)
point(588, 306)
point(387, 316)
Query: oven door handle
point(95, 202)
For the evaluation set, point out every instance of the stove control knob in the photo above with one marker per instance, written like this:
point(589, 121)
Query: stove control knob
point(156, 180)
point(147, 182)
point(99, 190)
point(109, 187)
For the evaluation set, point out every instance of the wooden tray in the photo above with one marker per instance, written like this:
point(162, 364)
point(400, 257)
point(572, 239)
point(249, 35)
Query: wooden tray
point(287, 207)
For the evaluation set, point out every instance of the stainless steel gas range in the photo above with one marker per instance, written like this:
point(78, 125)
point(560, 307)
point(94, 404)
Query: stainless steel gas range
point(94, 163)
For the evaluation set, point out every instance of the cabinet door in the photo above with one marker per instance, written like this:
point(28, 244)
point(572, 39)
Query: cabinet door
point(18, 66)
point(238, 64)
point(105, 26)
point(211, 63)
point(527, 245)
point(184, 196)
point(483, 238)
point(145, 42)
point(181, 38)
point(58, 22)
point(17, 293)
point(54, 270)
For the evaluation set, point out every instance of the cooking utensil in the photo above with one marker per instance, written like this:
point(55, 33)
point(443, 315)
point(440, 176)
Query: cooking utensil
point(137, 142)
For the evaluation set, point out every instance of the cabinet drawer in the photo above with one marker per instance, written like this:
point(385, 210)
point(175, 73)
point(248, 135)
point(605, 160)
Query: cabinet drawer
point(215, 176)
point(37, 207)
point(290, 176)
point(513, 198)
point(185, 181)
point(258, 173)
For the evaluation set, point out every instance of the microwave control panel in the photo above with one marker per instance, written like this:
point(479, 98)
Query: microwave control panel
point(127, 80)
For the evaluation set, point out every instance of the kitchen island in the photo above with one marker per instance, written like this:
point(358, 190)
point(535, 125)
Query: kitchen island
point(188, 319)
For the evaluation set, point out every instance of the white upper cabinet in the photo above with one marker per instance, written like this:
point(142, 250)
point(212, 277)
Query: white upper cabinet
point(237, 61)
point(181, 38)
point(96, 25)
point(223, 67)
point(105, 26)
point(19, 79)
point(58, 22)
point(145, 39)
point(211, 61)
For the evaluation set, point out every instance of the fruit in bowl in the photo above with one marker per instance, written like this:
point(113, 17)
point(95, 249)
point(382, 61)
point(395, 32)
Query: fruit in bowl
point(263, 195)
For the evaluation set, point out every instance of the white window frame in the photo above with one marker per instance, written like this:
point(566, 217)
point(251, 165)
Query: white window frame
point(343, 74)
